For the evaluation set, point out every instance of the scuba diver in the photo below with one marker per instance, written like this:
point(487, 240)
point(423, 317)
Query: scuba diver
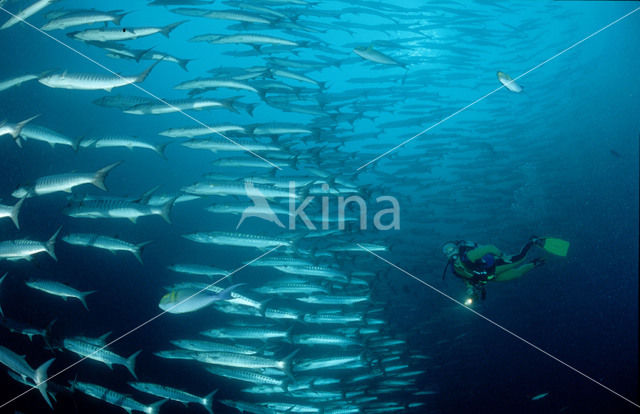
point(477, 265)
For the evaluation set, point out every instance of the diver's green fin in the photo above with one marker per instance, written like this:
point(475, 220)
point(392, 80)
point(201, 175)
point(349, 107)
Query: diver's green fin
point(558, 247)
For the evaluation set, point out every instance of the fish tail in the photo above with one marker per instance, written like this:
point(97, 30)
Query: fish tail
point(165, 211)
point(207, 401)
point(131, 363)
point(138, 250)
point(118, 18)
point(183, 63)
point(287, 364)
point(101, 174)
point(83, 296)
point(40, 379)
point(15, 210)
point(160, 149)
point(141, 77)
point(169, 28)
point(49, 245)
point(18, 129)
point(153, 408)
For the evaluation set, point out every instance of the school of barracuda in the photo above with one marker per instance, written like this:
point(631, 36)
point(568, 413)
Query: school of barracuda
point(313, 338)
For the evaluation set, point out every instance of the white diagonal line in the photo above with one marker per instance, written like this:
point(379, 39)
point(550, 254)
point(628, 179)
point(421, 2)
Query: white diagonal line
point(138, 327)
point(498, 88)
point(141, 89)
point(499, 326)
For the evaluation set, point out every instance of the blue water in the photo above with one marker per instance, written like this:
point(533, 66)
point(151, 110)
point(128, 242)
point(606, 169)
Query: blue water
point(558, 159)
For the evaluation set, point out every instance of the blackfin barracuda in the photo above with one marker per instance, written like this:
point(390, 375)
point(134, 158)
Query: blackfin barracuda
point(89, 81)
point(81, 18)
point(115, 398)
point(93, 348)
point(174, 394)
point(238, 239)
point(249, 39)
point(111, 244)
point(237, 145)
point(190, 132)
point(65, 182)
point(223, 188)
point(59, 289)
point(25, 249)
point(180, 105)
point(120, 208)
point(109, 141)
point(43, 134)
point(114, 35)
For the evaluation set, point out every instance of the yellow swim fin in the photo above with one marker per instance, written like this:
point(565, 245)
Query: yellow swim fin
point(558, 247)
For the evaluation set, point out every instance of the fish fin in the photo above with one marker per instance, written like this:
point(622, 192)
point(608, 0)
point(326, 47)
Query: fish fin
point(131, 363)
point(15, 210)
point(21, 124)
point(142, 53)
point(141, 77)
point(287, 364)
point(82, 297)
point(225, 294)
point(183, 63)
point(207, 401)
point(118, 18)
point(101, 174)
point(139, 248)
point(49, 245)
point(40, 379)
point(153, 408)
point(133, 219)
point(103, 338)
point(169, 28)
point(166, 209)
point(160, 149)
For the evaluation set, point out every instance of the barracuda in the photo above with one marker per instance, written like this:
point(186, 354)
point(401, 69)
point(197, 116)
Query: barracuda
point(200, 345)
point(174, 394)
point(53, 138)
point(83, 18)
point(235, 145)
point(25, 249)
point(120, 208)
point(111, 244)
point(195, 269)
point(94, 349)
point(333, 299)
point(198, 131)
point(262, 334)
point(60, 290)
point(115, 398)
point(223, 188)
point(125, 141)
point(87, 81)
point(110, 35)
point(237, 239)
point(65, 182)
point(247, 376)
